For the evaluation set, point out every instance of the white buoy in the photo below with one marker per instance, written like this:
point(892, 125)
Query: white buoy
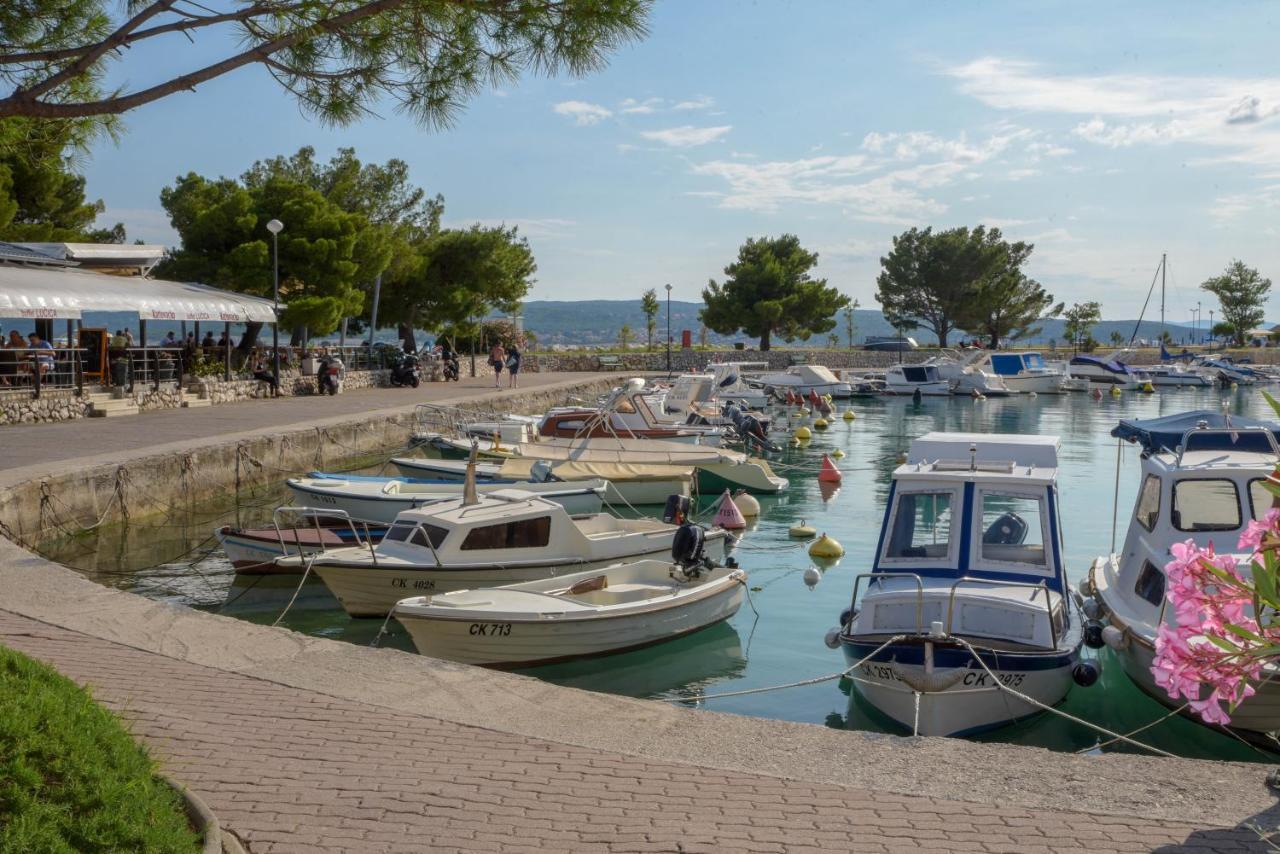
point(832, 638)
point(748, 506)
point(812, 576)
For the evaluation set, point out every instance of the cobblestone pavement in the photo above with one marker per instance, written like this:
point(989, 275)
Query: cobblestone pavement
point(293, 770)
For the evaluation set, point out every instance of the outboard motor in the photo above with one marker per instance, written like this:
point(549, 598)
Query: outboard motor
point(687, 546)
point(752, 432)
point(540, 472)
point(677, 509)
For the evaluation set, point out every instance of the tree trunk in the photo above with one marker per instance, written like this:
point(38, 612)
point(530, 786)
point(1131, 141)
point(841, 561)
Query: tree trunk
point(994, 343)
point(942, 335)
point(407, 340)
point(249, 339)
point(764, 340)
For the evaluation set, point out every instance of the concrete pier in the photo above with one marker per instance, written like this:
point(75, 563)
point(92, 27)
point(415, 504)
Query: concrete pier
point(306, 744)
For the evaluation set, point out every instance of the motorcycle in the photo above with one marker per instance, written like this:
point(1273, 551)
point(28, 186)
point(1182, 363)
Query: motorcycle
point(405, 371)
point(330, 375)
point(449, 365)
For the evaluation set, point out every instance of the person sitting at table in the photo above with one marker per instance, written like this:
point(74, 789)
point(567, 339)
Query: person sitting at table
point(207, 341)
point(9, 359)
point(41, 358)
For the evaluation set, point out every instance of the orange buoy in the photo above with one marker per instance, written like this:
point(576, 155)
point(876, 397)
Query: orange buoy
point(829, 473)
point(729, 516)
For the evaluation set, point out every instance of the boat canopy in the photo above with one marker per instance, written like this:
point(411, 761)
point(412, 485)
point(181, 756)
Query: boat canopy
point(814, 374)
point(1106, 364)
point(1167, 433)
point(62, 293)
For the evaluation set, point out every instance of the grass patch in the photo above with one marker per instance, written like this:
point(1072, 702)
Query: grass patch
point(71, 777)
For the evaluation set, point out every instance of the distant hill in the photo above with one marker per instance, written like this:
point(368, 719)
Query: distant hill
point(596, 322)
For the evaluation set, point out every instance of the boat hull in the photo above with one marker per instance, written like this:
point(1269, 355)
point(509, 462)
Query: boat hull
point(937, 389)
point(969, 705)
point(839, 390)
point(531, 642)
point(365, 591)
point(1038, 383)
point(636, 491)
point(753, 477)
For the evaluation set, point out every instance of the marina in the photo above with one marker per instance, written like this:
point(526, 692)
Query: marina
point(777, 636)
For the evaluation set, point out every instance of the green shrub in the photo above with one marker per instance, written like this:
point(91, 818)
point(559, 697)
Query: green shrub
point(71, 777)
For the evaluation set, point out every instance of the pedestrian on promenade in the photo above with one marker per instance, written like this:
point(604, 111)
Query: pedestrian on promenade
point(497, 358)
point(513, 363)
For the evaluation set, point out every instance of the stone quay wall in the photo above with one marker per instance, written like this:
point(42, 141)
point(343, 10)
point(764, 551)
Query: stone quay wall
point(18, 407)
point(53, 505)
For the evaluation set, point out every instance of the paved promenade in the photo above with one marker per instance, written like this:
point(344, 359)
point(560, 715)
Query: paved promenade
point(307, 744)
point(294, 770)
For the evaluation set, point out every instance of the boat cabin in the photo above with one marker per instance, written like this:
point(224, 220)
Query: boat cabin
point(919, 374)
point(1015, 364)
point(1203, 478)
point(971, 540)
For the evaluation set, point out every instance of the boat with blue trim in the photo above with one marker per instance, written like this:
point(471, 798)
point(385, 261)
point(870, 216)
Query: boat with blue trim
point(965, 622)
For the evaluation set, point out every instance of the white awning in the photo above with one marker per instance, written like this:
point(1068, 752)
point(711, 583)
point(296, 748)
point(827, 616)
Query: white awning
point(65, 293)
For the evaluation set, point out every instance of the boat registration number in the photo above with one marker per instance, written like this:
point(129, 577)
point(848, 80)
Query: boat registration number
point(416, 584)
point(973, 679)
point(491, 629)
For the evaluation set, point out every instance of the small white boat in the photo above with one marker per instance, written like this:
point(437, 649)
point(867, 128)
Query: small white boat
point(1099, 371)
point(1203, 477)
point(382, 499)
point(600, 612)
point(1170, 374)
point(908, 379)
point(505, 537)
point(967, 589)
point(630, 483)
point(802, 379)
point(1024, 372)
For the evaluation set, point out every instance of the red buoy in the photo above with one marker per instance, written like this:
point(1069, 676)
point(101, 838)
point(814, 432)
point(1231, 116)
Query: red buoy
point(829, 473)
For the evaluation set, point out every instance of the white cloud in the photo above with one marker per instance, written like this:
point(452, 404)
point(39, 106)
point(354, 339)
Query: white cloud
point(1232, 115)
point(632, 106)
point(1048, 149)
point(687, 136)
point(582, 112)
point(1020, 174)
point(889, 181)
point(702, 102)
point(1233, 205)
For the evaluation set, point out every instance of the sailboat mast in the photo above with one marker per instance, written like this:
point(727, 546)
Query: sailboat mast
point(1164, 260)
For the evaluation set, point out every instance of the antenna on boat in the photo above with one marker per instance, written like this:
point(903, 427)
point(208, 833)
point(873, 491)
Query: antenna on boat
point(973, 457)
point(469, 496)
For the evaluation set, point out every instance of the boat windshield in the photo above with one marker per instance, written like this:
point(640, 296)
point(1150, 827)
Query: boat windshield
point(1033, 360)
point(427, 536)
point(1261, 499)
point(921, 529)
point(1205, 504)
point(1012, 530)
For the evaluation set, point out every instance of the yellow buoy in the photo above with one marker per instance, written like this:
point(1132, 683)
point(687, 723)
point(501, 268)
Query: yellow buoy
point(747, 504)
point(848, 415)
point(820, 424)
point(795, 443)
point(804, 410)
point(802, 531)
point(1148, 388)
point(1235, 384)
point(826, 546)
point(803, 433)
point(1115, 391)
point(837, 453)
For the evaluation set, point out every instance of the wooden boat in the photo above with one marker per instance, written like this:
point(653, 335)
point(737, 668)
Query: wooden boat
point(253, 551)
point(1202, 480)
point(967, 589)
point(382, 499)
point(597, 612)
point(504, 537)
point(632, 483)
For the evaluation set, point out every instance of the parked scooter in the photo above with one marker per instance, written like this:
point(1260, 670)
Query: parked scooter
point(405, 371)
point(449, 365)
point(331, 373)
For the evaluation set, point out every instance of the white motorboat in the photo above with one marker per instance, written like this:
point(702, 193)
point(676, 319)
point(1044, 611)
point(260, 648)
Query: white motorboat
point(502, 537)
point(967, 595)
point(802, 379)
point(379, 499)
point(700, 400)
point(731, 383)
point(1228, 371)
point(629, 483)
point(1173, 374)
point(1024, 372)
point(909, 379)
point(1099, 371)
point(1202, 480)
point(598, 612)
point(965, 372)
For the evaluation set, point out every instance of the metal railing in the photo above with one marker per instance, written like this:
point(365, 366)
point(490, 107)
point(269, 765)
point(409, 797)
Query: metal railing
point(37, 369)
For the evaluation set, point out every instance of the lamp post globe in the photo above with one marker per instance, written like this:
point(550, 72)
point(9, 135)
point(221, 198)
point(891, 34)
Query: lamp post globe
point(275, 226)
point(668, 329)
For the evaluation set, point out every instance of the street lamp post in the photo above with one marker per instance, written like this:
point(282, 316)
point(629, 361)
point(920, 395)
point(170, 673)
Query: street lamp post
point(1210, 326)
point(1198, 316)
point(275, 226)
point(668, 329)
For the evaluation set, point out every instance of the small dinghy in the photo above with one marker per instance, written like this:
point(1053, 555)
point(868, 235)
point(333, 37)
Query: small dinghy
point(966, 610)
point(600, 612)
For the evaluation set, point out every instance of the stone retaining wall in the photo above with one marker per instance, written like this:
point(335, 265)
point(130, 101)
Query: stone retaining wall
point(18, 407)
point(37, 509)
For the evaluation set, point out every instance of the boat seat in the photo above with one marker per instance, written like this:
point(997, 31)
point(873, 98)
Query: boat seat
point(616, 594)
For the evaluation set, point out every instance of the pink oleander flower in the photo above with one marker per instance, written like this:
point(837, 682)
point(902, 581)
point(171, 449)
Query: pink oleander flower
point(1210, 594)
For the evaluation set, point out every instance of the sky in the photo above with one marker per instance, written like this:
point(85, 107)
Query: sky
point(1105, 134)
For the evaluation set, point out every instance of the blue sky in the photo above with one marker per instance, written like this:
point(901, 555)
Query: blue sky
point(1104, 135)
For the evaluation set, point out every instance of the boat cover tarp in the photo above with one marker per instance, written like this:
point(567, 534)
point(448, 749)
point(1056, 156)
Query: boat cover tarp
point(1157, 434)
point(1108, 364)
point(66, 294)
point(520, 469)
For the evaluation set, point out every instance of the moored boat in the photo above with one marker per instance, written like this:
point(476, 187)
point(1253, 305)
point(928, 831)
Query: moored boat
point(965, 611)
point(802, 379)
point(504, 537)
point(598, 612)
point(1203, 477)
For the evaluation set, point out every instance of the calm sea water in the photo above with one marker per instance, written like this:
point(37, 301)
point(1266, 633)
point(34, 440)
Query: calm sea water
point(777, 638)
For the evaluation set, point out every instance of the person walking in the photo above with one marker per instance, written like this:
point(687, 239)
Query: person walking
point(497, 358)
point(513, 363)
